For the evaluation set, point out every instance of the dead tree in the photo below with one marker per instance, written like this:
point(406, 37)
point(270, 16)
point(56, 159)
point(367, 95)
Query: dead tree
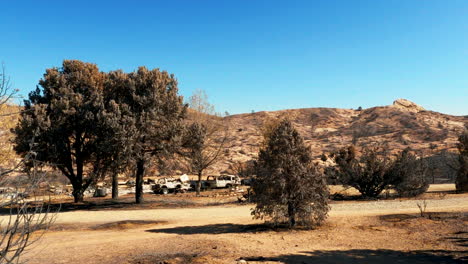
point(23, 217)
point(205, 138)
point(203, 148)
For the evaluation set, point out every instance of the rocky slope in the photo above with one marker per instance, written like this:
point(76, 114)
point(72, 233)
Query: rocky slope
point(400, 125)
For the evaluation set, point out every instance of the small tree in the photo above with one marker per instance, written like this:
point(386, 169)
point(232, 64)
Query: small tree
point(205, 137)
point(461, 181)
point(6, 91)
point(408, 174)
point(288, 187)
point(203, 149)
point(244, 169)
point(367, 173)
point(198, 101)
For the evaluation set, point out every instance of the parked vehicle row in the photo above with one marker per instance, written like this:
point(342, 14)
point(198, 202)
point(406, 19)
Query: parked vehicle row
point(183, 183)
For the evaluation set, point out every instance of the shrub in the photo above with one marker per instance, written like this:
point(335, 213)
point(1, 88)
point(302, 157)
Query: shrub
point(373, 171)
point(366, 173)
point(408, 174)
point(288, 187)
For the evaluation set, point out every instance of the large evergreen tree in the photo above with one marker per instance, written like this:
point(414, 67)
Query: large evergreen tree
point(288, 187)
point(64, 115)
point(150, 99)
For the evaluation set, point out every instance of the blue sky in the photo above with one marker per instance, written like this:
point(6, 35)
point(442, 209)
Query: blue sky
point(256, 55)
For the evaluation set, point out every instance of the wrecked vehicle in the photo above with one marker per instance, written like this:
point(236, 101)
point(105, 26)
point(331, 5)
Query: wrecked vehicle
point(170, 184)
point(222, 181)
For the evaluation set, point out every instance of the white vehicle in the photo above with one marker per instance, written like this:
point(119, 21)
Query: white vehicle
point(222, 181)
point(170, 184)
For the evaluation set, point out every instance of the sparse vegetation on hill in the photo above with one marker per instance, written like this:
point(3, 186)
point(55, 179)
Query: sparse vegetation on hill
point(330, 129)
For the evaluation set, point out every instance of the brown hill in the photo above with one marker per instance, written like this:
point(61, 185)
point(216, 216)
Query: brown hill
point(401, 125)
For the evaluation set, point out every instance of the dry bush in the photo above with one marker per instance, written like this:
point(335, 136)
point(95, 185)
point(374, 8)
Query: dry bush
point(373, 171)
point(366, 172)
point(422, 206)
point(408, 174)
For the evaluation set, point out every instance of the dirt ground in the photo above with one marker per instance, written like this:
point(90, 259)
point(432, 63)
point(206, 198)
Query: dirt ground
point(380, 231)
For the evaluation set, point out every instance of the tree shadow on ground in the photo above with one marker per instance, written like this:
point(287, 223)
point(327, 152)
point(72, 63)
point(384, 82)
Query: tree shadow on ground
point(356, 256)
point(213, 229)
point(102, 204)
point(459, 238)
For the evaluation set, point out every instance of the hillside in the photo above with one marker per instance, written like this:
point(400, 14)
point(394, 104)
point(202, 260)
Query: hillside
point(400, 125)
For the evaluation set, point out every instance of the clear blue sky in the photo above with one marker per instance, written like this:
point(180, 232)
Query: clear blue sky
point(256, 55)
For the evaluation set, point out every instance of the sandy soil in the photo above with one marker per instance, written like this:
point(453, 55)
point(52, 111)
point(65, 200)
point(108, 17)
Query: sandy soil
point(387, 231)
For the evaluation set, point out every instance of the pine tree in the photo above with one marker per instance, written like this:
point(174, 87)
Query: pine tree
point(288, 187)
point(64, 117)
point(150, 100)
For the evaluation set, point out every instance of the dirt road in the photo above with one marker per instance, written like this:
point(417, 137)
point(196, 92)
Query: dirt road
point(223, 234)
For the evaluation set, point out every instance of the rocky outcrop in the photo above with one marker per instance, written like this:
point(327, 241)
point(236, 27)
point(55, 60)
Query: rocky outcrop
point(407, 105)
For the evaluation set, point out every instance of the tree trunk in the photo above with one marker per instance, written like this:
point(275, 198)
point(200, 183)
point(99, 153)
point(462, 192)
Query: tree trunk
point(139, 181)
point(292, 215)
point(199, 183)
point(115, 186)
point(77, 194)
